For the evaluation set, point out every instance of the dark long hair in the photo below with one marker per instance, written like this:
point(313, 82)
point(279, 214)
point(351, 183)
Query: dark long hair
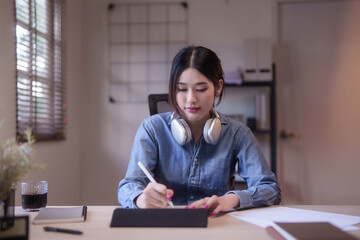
point(200, 58)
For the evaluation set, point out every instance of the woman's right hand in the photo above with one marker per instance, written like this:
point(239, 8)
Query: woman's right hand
point(155, 195)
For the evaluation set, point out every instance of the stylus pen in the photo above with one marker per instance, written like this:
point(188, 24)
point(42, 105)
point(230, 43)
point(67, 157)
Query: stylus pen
point(143, 168)
point(63, 230)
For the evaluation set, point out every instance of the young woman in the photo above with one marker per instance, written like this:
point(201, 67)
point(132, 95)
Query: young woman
point(192, 151)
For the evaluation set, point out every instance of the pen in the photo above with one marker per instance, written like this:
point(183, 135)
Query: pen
point(143, 168)
point(63, 230)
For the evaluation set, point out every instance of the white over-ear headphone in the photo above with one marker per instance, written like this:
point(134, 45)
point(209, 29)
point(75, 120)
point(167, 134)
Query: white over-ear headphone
point(182, 133)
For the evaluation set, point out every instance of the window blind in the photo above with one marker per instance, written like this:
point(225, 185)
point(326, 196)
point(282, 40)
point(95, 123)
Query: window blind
point(40, 68)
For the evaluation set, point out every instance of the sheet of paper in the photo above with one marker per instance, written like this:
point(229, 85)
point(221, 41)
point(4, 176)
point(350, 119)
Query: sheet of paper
point(264, 217)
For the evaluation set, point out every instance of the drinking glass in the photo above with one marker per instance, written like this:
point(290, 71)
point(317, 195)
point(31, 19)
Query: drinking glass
point(34, 195)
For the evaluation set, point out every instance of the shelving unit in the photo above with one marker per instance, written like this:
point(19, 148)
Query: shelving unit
point(272, 103)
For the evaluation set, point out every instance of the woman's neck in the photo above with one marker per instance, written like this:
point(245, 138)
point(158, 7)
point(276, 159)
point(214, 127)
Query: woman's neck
point(197, 129)
point(196, 132)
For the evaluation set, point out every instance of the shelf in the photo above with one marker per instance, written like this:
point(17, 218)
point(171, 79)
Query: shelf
point(272, 104)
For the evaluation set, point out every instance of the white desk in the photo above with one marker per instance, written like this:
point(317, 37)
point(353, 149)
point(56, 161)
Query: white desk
point(223, 227)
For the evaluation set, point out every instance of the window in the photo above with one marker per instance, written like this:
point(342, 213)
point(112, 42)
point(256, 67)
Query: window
point(40, 55)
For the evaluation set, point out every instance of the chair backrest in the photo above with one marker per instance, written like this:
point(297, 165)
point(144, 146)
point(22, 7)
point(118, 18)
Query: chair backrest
point(158, 103)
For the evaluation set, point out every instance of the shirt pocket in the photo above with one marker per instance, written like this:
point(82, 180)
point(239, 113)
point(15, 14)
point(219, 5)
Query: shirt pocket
point(221, 164)
point(216, 176)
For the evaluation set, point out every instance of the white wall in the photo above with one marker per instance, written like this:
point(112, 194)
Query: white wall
point(62, 158)
point(7, 71)
point(109, 129)
point(87, 166)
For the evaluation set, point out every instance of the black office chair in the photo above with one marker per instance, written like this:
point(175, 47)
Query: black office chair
point(158, 103)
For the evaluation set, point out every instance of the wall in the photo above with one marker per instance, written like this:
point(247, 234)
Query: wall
point(86, 168)
point(62, 159)
point(109, 129)
point(7, 72)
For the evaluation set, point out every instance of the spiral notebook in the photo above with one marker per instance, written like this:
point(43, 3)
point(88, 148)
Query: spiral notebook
point(61, 215)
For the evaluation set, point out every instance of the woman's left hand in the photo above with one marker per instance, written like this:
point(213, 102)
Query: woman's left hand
point(217, 204)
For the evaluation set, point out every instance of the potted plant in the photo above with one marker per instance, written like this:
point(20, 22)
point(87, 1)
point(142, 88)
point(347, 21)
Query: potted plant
point(15, 162)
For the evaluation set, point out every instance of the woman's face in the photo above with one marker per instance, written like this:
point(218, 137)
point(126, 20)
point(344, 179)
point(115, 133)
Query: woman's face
point(195, 96)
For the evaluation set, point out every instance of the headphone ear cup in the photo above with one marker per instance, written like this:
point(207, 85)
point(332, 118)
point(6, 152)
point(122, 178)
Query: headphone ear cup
point(212, 130)
point(180, 131)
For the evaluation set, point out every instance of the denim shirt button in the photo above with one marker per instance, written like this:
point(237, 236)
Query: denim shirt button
point(191, 197)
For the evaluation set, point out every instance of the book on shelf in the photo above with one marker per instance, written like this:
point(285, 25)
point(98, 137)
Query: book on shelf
point(61, 215)
point(306, 230)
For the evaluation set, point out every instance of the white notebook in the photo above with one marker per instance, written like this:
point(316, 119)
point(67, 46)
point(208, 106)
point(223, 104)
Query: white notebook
point(61, 215)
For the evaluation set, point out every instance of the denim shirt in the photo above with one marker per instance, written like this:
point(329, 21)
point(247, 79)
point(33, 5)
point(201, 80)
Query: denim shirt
point(195, 172)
